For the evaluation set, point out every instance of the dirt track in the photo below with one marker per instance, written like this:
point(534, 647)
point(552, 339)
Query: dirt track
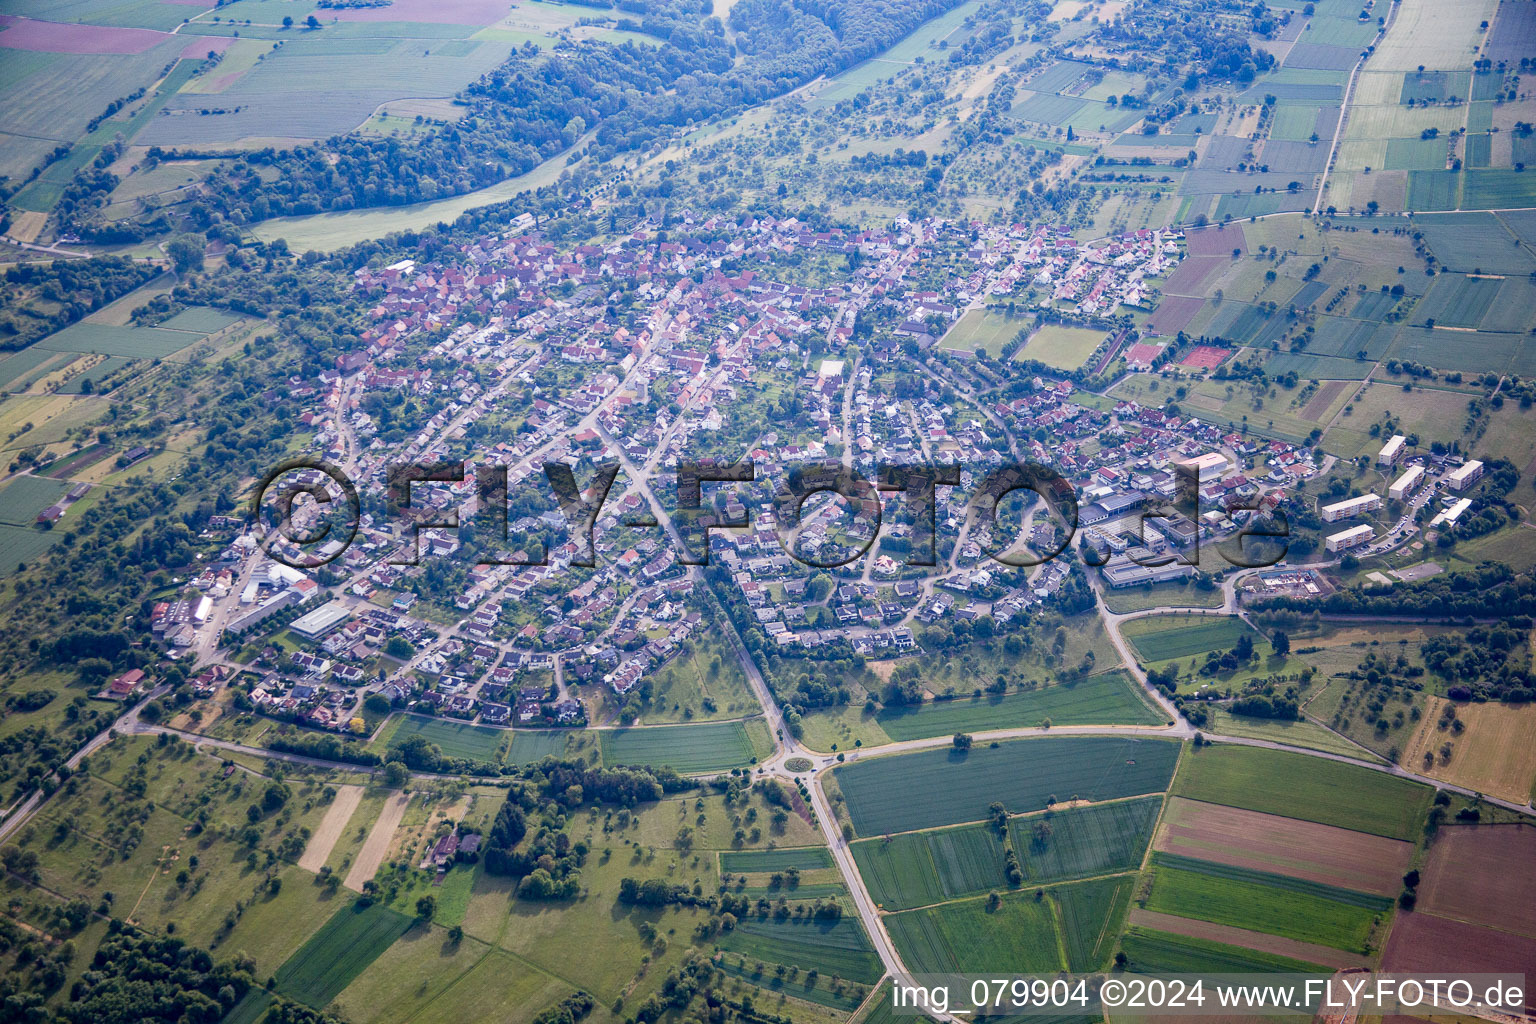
point(372, 854)
point(331, 827)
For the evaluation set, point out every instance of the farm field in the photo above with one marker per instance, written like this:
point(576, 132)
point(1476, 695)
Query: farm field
point(1106, 699)
point(940, 787)
point(456, 739)
point(839, 948)
point(1481, 874)
point(336, 954)
point(1019, 936)
point(1284, 846)
point(1495, 753)
point(807, 858)
point(25, 496)
point(685, 748)
point(1303, 787)
point(1306, 733)
point(1153, 951)
point(1079, 842)
point(1165, 637)
point(1242, 900)
point(1419, 942)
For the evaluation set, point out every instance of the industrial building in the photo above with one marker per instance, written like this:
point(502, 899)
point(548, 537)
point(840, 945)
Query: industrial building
point(1350, 538)
point(1349, 508)
point(315, 624)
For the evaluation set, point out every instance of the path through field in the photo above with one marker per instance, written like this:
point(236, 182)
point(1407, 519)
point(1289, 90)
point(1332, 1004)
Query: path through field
point(331, 827)
point(372, 854)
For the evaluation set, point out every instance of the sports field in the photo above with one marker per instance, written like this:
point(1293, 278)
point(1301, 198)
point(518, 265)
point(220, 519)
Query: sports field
point(346, 944)
point(1304, 787)
point(707, 747)
point(942, 787)
point(986, 330)
point(1063, 348)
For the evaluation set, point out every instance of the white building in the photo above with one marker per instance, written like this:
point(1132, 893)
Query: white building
point(1465, 476)
point(1391, 451)
point(1210, 465)
point(1349, 508)
point(1450, 515)
point(1350, 538)
point(1406, 484)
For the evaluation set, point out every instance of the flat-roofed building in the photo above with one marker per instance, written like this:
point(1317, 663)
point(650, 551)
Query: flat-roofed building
point(1391, 451)
point(1405, 484)
point(1465, 475)
point(1350, 538)
point(1210, 465)
point(1450, 515)
point(1349, 508)
point(316, 624)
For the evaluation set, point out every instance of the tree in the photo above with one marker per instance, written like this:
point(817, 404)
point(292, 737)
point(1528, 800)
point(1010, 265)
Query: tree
point(962, 741)
point(399, 648)
point(311, 22)
point(426, 907)
point(186, 252)
point(1281, 643)
point(287, 21)
point(396, 774)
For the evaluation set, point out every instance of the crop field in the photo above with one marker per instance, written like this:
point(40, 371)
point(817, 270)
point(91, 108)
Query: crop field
point(1467, 241)
point(1079, 842)
point(16, 368)
point(1158, 952)
point(456, 739)
point(528, 747)
point(25, 496)
point(346, 944)
point(1106, 699)
point(1434, 190)
point(1419, 942)
point(941, 787)
point(1498, 188)
point(1468, 351)
point(1162, 637)
point(1064, 348)
point(1482, 874)
point(1091, 915)
point(983, 329)
point(131, 342)
point(917, 869)
point(1306, 788)
point(1495, 753)
point(1243, 903)
point(807, 858)
point(1019, 936)
point(1457, 301)
point(686, 748)
point(840, 948)
point(23, 544)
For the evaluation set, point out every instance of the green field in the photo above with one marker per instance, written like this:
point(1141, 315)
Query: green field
point(840, 948)
point(1155, 952)
point(455, 739)
point(1264, 908)
point(23, 544)
point(1304, 787)
point(916, 869)
point(1286, 882)
point(808, 858)
point(986, 330)
point(1064, 348)
point(346, 944)
point(943, 787)
point(528, 747)
point(25, 496)
point(1107, 699)
point(707, 747)
point(1163, 637)
point(1019, 936)
point(1091, 916)
point(107, 339)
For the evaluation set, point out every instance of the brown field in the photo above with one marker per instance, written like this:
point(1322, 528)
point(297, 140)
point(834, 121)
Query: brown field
point(1495, 754)
point(56, 37)
point(1217, 241)
point(1426, 943)
point(1284, 846)
point(372, 854)
point(331, 827)
point(1483, 874)
point(1306, 952)
point(1323, 400)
